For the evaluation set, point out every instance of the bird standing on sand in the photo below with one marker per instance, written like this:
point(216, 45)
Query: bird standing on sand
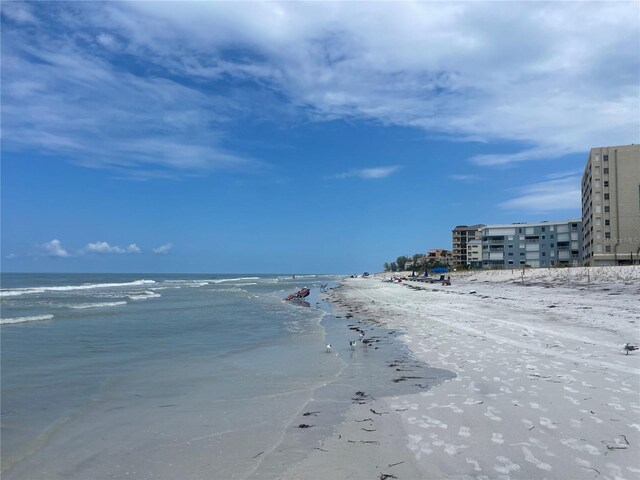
point(328, 348)
point(629, 348)
point(361, 336)
point(352, 344)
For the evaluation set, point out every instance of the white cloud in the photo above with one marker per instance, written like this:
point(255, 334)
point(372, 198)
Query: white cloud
point(464, 177)
point(104, 247)
point(534, 74)
point(555, 194)
point(163, 249)
point(369, 173)
point(11, 256)
point(53, 249)
point(18, 12)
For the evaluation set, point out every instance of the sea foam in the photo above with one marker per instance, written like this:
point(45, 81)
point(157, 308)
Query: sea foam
point(14, 292)
point(97, 305)
point(35, 318)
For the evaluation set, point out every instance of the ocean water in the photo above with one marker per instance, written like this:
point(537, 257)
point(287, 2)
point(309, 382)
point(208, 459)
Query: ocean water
point(107, 376)
point(175, 376)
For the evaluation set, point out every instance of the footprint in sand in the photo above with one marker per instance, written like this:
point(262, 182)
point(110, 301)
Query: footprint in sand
point(476, 465)
point(497, 438)
point(491, 413)
point(572, 400)
point(536, 406)
point(464, 432)
point(507, 466)
point(546, 422)
point(531, 459)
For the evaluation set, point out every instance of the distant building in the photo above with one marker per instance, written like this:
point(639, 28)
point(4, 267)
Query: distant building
point(474, 253)
point(445, 257)
point(461, 235)
point(611, 206)
point(544, 244)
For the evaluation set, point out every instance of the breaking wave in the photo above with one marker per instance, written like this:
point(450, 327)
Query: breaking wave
point(35, 318)
point(97, 305)
point(14, 292)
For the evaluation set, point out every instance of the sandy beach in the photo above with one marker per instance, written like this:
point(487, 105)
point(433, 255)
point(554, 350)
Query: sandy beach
point(542, 386)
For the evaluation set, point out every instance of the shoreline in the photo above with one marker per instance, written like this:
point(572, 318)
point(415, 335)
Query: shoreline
point(543, 388)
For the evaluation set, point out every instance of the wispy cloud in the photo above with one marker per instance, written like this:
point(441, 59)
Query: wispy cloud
point(163, 249)
point(369, 173)
point(533, 74)
point(104, 248)
point(559, 193)
point(465, 177)
point(53, 248)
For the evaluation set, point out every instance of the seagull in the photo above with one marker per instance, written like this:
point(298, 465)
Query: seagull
point(361, 335)
point(630, 348)
point(473, 291)
point(352, 344)
point(328, 348)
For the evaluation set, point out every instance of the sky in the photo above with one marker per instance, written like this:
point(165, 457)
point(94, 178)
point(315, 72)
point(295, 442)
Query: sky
point(293, 137)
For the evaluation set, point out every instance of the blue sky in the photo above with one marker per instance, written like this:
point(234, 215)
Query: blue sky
point(298, 137)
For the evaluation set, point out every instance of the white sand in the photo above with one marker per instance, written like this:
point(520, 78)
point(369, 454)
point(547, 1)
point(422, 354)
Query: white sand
point(543, 387)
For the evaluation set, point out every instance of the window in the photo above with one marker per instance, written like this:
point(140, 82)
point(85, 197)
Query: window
point(542, 230)
point(605, 158)
point(510, 262)
point(522, 254)
point(551, 236)
point(544, 254)
point(606, 196)
point(605, 171)
point(606, 222)
point(606, 209)
point(606, 183)
point(510, 254)
point(607, 234)
point(552, 245)
point(607, 248)
point(596, 157)
point(542, 237)
point(510, 246)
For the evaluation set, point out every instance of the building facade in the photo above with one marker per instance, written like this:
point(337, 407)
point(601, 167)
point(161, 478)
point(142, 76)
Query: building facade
point(444, 257)
point(544, 244)
point(474, 253)
point(461, 235)
point(611, 206)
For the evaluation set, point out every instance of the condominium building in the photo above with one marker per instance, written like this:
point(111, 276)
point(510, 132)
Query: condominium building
point(474, 253)
point(461, 236)
point(544, 244)
point(611, 206)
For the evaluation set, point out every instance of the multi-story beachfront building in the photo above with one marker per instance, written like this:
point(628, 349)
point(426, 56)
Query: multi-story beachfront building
point(462, 234)
point(611, 206)
point(544, 244)
point(474, 253)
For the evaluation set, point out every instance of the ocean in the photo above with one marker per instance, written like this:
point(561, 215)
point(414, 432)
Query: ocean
point(173, 376)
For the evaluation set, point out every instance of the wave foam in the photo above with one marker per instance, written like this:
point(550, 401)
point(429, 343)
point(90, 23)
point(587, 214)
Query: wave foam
point(14, 292)
point(35, 318)
point(144, 295)
point(97, 305)
point(222, 280)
